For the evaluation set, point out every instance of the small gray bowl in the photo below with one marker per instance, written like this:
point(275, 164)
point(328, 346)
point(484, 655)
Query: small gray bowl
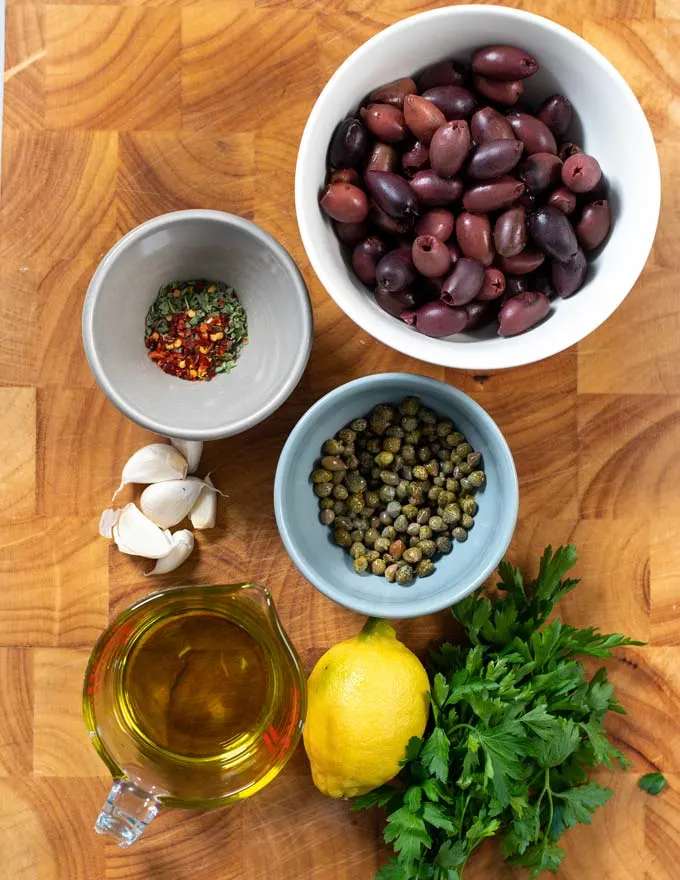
point(328, 567)
point(181, 246)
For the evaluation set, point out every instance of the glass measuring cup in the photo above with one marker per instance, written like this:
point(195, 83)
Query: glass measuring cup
point(158, 704)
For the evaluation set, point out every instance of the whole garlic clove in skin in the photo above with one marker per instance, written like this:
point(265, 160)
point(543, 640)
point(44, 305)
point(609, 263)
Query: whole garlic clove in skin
point(136, 535)
point(204, 511)
point(182, 545)
point(191, 450)
point(153, 464)
point(167, 503)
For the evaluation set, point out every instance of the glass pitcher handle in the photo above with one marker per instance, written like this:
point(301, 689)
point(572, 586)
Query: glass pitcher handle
point(126, 813)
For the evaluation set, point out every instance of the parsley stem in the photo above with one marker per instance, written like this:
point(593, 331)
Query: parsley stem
point(550, 800)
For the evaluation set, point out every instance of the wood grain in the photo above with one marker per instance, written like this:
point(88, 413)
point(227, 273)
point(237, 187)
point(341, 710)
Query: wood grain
point(119, 111)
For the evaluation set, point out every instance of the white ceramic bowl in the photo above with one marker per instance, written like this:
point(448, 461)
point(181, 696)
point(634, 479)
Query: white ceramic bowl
point(181, 246)
point(610, 124)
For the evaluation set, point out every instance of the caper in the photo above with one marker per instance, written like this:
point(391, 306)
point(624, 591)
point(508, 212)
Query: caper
point(389, 478)
point(342, 522)
point(333, 463)
point(455, 438)
point(420, 472)
point(355, 482)
point(464, 449)
point(375, 523)
point(372, 499)
point(432, 467)
point(444, 428)
point(446, 498)
point(444, 544)
point(426, 415)
point(374, 474)
point(352, 462)
point(408, 453)
point(461, 470)
point(357, 549)
point(349, 448)
point(391, 572)
point(339, 508)
point(424, 455)
point(397, 548)
point(424, 568)
point(371, 555)
point(385, 518)
point(397, 463)
point(355, 503)
point(340, 492)
point(395, 431)
point(387, 493)
point(323, 490)
point(409, 424)
point(332, 447)
point(417, 496)
point(412, 437)
point(467, 521)
point(474, 459)
point(413, 554)
point(451, 514)
point(371, 536)
point(442, 455)
point(360, 564)
point(402, 490)
point(347, 435)
point(423, 516)
point(373, 446)
point(427, 547)
point(378, 567)
point(321, 475)
point(356, 535)
point(401, 523)
point(410, 511)
point(404, 575)
point(459, 534)
point(326, 503)
point(388, 559)
point(469, 505)
point(384, 459)
point(437, 524)
point(413, 541)
point(466, 485)
point(338, 478)
point(391, 444)
point(378, 426)
point(439, 481)
point(434, 493)
point(424, 532)
point(326, 517)
point(382, 545)
point(358, 425)
point(365, 461)
point(389, 532)
point(342, 537)
point(406, 473)
point(446, 468)
point(413, 529)
point(409, 406)
point(393, 508)
point(477, 478)
point(455, 459)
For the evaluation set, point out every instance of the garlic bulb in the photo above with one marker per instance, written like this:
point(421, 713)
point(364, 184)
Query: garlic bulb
point(204, 511)
point(136, 535)
point(107, 521)
point(182, 545)
point(191, 450)
point(169, 502)
point(152, 464)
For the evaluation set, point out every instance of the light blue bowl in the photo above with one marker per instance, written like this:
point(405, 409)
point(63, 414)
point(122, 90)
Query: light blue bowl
point(328, 567)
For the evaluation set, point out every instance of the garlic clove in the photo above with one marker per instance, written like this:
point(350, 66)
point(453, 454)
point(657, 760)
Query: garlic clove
point(107, 521)
point(136, 535)
point(167, 503)
point(191, 450)
point(182, 545)
point(204, 511)
point(153, 464)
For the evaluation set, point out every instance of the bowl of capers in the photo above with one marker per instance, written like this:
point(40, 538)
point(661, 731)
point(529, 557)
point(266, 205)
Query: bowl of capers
point(396, 495)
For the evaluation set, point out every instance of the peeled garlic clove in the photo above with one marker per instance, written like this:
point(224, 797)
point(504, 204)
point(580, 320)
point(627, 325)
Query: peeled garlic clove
point(204, 511)
point(107, 521)
point(153, 464)
point(182, 545)
point(191, 450)
point(169, 502)
point(136, 535)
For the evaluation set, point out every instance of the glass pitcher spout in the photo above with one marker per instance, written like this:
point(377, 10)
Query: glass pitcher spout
point(127, 812)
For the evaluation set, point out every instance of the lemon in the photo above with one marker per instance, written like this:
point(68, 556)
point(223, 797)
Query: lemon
point(367, 696)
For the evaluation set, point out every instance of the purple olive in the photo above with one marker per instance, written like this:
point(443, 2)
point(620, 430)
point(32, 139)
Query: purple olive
point(492, 195)
point(473, 233)
point(449, 147)
point(534, 134)
point(393, 194)
point(395, 271)
point(395, 302)
point(345, 175)
point(523, 263)
point(442, 73)
point(522, 312)
point(348, 144)
point(488, 124)
point(556, 112)
point(344, 202)
point(377, 217)
point(516, 284)
point(455, 102)
point(437, 319)
point(494, 158)
point(568, 149)
point(498, 91)
point(594, 225)
point(553, 233)
point(540, 171)
point(581, 173)
point(479, 313)
point(366, 256)
point(433, 190)
point(415, 159)
point(430, 256)
point(422, 117)
point(464, 283)
point(383, 157)
point(438, 222)
point(351, 233)
point(393, 92)
point(504, 62)
point(493, 285)
point(564, 199)
point(510, 232)
point(569, 276)
point(385, 121)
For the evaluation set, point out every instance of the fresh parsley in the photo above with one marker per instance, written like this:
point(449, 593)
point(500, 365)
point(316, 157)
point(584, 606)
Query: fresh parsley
point(652, 783)
point(516, 725)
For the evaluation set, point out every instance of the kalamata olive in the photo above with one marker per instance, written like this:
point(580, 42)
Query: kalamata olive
point(581, 173)
point(450, 145)
point(422, 117)
point(504, 62)
point(493, 285)
point(492, 195)
point(438, 222)
point(540, 280)
point(348, 144)
point(534, 134)
point(455, 102)
point(454, 252)
point(464, 283)
point(522, 312)
point(540, 171)
point(395, 271)
point(473, 233)
point(594, 225)
point(415, 159)
point(436, 319)
point(344, 202)
point(377, 217)
point(568, 149)
point(569, 276)
point(510, 232)
point(564, 199)
point(442, 73)
point(345, 175)
point(516, 284)
point(351, 233)
point(433, 190)
point(393, 194)
point(395, 302)
point(385, 121)
point(496, 90)
point(479, 313)
point(430, 256)
point(393, 92)
point(382, 157)
point(523, 263)
point(493, 158)
point(553, 233)
point(488, 124)
point(556, 112)
point(527, 200)
point(366, 256)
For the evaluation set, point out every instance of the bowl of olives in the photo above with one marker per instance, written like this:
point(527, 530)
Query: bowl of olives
point(477, 187)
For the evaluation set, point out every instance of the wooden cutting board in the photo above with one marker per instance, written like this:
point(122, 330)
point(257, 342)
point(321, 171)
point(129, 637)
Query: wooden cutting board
point(117, 112)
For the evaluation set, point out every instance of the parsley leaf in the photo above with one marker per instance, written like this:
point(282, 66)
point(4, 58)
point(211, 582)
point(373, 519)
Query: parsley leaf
point(652, 783)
